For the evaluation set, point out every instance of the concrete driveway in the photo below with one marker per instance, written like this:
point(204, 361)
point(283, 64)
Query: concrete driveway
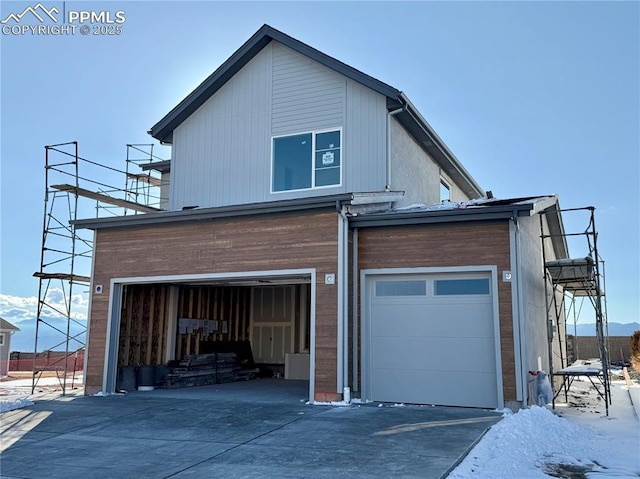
point(253, 429)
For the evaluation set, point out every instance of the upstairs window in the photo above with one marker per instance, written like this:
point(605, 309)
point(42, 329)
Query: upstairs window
point(445, 191)
point(307, 160)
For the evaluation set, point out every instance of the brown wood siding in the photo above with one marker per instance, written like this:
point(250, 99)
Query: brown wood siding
point(469, 244)
point(273, 242)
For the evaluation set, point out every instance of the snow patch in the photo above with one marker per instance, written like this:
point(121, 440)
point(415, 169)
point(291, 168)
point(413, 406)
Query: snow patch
point(574, 440)
point(504, 411)
point(332, 403)
point(11, 404)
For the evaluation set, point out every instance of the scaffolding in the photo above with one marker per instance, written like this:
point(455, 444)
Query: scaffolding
point(66, 254)
point(141, 186)
point(565, 280)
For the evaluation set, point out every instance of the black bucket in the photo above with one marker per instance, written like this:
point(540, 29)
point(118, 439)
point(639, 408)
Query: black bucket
point(127, 378)
point(146, 378)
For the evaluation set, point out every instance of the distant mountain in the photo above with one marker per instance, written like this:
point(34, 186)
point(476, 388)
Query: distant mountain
point(23, 340)
point(48, 337)
point(615, 329)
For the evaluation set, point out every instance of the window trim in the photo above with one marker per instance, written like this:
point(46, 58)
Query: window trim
point(312, 159)
point(446, 184)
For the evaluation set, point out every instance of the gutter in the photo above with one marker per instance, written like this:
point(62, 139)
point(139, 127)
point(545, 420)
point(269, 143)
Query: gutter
point(201, 214)
point(480, 213)
point(358, 201)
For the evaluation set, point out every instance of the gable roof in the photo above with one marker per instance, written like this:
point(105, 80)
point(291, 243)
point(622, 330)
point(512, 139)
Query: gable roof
point(397, 102)
point(163, 130)
point(7, 326)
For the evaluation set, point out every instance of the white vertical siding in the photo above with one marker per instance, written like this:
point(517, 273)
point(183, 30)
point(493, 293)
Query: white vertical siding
point(366, 139)
point(309, 97)
point(222, 152)
point(306, 95)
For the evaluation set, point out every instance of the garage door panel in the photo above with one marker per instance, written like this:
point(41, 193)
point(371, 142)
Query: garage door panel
point(438, 320)
point(433, 387)
point(430, 349)
point(445, 354)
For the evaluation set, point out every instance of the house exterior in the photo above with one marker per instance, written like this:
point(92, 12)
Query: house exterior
point(291, 223)
point(6, 331)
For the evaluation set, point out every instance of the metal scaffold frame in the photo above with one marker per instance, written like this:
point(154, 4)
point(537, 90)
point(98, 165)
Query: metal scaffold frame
point(67, 252)
point(565, 280)
point(143, 187)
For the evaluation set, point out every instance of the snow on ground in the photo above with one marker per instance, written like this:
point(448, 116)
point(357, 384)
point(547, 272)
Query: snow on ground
point(16, 393)
point(576, 440)
point(11, 404)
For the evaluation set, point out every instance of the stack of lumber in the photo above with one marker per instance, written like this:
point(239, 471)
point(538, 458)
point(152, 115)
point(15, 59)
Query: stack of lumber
point(205, 369)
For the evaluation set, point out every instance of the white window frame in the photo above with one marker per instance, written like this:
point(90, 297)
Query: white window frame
point(313, 159)
point(446, 184)
point(1, 339)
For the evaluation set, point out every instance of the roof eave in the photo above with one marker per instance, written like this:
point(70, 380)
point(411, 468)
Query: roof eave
point(556, 229)
point(437, 149)
point(199, 214)
point(327, 202)
point(163, 130)
point(482, 213)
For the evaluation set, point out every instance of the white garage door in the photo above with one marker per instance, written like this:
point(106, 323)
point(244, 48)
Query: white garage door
point(432, 340)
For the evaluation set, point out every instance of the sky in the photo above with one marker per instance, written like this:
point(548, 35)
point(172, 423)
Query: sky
point(532, 97)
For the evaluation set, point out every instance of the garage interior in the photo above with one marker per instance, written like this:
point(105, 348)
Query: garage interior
point(194, 334)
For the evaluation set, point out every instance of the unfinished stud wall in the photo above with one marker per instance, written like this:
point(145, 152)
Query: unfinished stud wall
point(228, 309)
point(143, 325)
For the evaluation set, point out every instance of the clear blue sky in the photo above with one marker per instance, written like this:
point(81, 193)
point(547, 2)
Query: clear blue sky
point(532, 97)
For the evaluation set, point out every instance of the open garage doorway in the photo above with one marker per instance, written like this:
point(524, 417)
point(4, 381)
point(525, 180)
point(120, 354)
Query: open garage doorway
point(196, 332)
point(265, 326)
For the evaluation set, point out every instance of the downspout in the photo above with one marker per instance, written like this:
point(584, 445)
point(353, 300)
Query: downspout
point(343, 291)
point(522, 376)
point(355, 337)
point(389, 115)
